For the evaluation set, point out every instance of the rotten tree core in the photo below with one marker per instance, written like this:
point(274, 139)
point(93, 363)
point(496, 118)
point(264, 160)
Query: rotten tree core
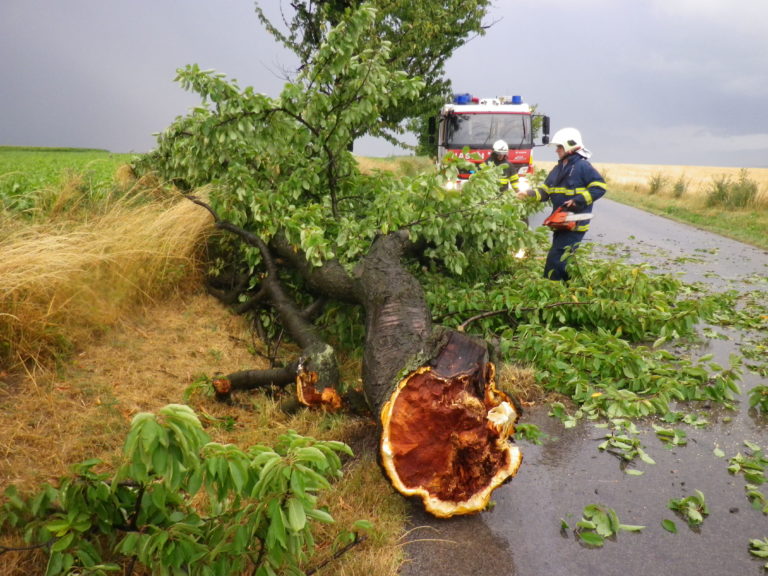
point(445, 435)
point(441, 438)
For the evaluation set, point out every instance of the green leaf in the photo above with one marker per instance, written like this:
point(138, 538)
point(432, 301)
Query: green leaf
point(644, 457)
point(58, 527)
point(752, 446)
point(591, 539)
point(603, 524)
point(297, 517)
point(63, 543)
point(320, 516)
point(362, 525)
point(159, 460)
point(311, 454)
point(669, 526)
point(238, 473)
point(586, 524)
point(695, 516)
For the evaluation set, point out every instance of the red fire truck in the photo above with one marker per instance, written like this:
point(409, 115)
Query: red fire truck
point(468, 126)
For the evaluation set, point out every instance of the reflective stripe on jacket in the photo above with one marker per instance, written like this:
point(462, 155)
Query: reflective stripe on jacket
point(509, 174)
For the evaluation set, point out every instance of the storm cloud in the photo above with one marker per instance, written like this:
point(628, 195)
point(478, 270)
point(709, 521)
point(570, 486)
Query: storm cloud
point(650, 82)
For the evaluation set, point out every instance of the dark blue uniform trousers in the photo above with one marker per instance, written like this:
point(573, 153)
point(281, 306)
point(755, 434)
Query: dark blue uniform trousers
point(564, 243)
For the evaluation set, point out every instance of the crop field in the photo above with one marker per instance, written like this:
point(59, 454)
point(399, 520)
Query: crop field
point(697, 179)
point(24, 171)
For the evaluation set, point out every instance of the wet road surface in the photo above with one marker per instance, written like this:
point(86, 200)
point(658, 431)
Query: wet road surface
point(521, 535)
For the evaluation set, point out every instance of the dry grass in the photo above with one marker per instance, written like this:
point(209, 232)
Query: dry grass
point(63, 281)
point(402, 165)
point(520, 383)
point(640, 174)
point(156, 357)
point(699, 178)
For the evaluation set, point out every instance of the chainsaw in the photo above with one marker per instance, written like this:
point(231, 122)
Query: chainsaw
point(562, 220)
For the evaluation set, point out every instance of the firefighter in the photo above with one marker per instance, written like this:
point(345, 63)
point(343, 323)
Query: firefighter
point(575, 185)
point(509, 178)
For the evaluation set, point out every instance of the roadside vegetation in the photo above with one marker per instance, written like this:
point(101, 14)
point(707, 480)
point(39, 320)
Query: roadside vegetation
point(104, 317)
point(732, 202)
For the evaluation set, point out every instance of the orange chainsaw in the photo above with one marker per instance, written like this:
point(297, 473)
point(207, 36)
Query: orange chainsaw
point(562, 220)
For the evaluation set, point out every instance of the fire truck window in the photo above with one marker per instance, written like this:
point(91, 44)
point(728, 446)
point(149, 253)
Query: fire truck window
point(481, 130)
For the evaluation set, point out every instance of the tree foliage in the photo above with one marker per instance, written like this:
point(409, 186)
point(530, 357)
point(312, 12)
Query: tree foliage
point(181, 504)
point(422, 36)
point(283, 165)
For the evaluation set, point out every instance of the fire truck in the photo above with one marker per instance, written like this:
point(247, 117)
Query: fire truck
point(468, 126)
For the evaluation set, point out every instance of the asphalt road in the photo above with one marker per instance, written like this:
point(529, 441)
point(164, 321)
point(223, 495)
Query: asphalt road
point(521, 535)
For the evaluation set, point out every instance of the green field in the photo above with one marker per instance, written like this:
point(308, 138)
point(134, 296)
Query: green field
point(25, 171)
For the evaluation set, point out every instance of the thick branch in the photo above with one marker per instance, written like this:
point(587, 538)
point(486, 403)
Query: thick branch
point(252, 379)
point(398, 323)
point(331, 279)
point(320, 357)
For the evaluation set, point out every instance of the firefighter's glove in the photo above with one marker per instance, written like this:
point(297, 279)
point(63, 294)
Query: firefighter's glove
point(575, 204)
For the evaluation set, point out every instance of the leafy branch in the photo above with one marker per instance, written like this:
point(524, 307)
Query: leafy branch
point(623, 443)
point(181, 501)
point(693, 509)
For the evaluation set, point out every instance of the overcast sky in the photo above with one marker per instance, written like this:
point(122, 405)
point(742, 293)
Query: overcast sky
point(646, 81)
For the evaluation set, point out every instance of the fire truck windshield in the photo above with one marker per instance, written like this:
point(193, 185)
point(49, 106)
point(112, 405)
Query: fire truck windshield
point(481, 130)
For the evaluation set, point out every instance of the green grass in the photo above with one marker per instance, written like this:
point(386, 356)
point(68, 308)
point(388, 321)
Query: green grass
point(26, 171)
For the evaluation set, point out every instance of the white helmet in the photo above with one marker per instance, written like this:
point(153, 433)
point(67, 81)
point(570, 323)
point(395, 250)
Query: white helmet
point(500, 147)
point(569, 139)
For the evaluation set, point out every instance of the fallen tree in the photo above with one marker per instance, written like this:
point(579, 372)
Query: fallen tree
point(396, 270)
point(310, 245)
point(445, 427)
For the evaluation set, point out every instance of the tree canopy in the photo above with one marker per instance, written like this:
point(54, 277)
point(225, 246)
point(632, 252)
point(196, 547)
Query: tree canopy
point(422, 37)
point(284, 164)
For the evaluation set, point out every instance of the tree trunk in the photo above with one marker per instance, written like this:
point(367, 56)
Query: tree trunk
point(444, 425)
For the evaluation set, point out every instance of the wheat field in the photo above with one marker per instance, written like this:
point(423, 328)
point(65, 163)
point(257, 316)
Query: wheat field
point(697, 178)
